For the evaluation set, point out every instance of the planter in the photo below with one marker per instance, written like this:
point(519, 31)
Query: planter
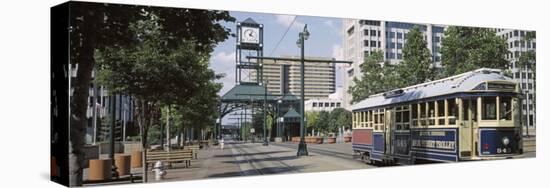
point(122, 162)
point(295, 139)
point(314, 140)
point(136, 159)
point(100, 169)
point(331, 140)
point(347, 139)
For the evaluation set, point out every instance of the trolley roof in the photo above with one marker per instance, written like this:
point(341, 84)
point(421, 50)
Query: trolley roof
point(454, 84)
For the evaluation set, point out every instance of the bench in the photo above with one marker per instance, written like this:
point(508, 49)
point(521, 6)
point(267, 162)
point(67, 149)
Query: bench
point(170, 157)
point(194, 148)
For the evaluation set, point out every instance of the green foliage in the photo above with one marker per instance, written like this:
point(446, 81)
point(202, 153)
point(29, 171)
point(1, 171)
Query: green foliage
point(322, 121)
point(312, 119)
point(339, 117)
point(468, 48)
point(371, 81)
point(417, 66)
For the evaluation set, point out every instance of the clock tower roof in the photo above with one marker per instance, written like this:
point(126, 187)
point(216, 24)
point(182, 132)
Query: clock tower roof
point(250, 22)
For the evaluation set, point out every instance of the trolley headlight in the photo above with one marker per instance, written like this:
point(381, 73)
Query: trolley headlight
point(505, 141)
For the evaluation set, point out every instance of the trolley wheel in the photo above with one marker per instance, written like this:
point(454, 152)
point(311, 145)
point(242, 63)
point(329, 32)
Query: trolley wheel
point(366, 158)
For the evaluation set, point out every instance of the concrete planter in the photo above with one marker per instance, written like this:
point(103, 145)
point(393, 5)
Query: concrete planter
point(331, 140)
point(100, 169)
point(347, 139)
point(295, 139)
point(122, 162)
point(314, 140)
point(136, 159)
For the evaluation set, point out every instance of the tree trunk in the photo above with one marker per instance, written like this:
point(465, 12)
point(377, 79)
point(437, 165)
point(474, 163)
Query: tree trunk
point(79, 106)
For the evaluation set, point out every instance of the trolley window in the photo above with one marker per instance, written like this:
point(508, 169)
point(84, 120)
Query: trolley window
point(431, 112)
point(441, 112)
point(414, 109)
point(505, 108)
point(451, 110)
point(489, 108)
point(465, 108)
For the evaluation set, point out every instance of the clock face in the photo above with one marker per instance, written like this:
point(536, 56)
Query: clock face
point(250, 35)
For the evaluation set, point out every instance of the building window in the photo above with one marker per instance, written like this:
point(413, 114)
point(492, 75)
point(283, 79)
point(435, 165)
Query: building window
point(366, 32)
point(337, 104)
point(373, 43)
point(516, 54)
point(392, 34)
point(515, 33)
point(379, 45)
point(522, 33)
point(399, 56)
point(517, 75)
point(399, 35)
point(332, 104)
point(373, 33)
point(326, 104)
point(523, 44)
point(489, 108)
point(437, 39)
point(399, 45)
point(534, 45)
point(378, 33)
point(366, 42)
point(505, 108)
point(314, 104)
point(516, 43)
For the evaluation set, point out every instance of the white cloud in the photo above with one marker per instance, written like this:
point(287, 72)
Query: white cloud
point(286, 20)
point(333, 27)
point(224, 62)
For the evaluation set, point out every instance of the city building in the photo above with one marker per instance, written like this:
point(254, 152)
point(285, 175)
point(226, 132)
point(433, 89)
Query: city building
point(283, 77)
point(333, 101)
point(517, 45)
point(363, 37)
point(96, 130)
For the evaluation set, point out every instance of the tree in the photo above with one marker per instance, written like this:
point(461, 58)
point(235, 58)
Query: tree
point(417, 66)
point(370, 83)
point(312, 119)
point(158, 72)
point(339, 117)
point(378, 76)
point(468, 48)
point(322, 121)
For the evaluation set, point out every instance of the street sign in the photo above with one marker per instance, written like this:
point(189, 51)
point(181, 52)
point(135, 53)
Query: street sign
point(251, 130)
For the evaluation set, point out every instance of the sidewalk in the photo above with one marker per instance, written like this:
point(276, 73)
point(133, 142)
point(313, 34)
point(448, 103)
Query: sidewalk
point(210, 162)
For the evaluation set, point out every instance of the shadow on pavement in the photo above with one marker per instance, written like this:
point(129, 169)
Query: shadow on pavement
point(264, 171)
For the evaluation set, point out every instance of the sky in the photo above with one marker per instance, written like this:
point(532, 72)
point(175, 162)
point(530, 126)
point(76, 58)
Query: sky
point(325, 41)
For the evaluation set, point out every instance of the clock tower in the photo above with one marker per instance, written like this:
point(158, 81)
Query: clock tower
point(249, 43)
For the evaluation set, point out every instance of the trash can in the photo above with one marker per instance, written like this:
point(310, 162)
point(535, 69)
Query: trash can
point(100, 169)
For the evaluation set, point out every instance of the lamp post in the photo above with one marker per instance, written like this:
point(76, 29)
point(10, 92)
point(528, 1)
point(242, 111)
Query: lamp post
point(278, 117)
point(302, 147)
point(265, 143)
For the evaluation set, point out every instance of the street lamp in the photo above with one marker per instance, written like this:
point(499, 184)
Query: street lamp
point(265, 143)
point(278, 117)
point(302, 147)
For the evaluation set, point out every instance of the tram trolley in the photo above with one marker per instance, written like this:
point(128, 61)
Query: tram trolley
point(471, 116)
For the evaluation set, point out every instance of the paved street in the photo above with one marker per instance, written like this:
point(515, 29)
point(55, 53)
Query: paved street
point(245, 159)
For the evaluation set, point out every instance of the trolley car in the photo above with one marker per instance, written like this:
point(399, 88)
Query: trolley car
point(471, 116)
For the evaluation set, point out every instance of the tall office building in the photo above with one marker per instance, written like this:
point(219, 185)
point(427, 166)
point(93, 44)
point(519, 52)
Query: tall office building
point(517, 45)
point(363, 37)
point(99, 99)
point(283, 77)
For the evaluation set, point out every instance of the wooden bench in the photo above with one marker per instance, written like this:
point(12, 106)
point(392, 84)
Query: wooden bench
point(170, 157)
point(194, 148)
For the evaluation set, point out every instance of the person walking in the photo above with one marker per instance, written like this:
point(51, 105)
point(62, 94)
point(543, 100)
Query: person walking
point(221, 143)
